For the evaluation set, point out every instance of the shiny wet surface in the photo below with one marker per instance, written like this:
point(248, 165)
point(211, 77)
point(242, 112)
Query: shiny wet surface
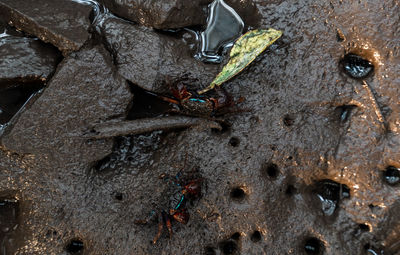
point(309, 119)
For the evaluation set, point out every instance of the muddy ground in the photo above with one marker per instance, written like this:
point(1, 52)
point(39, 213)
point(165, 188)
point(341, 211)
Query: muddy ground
point(312, 168)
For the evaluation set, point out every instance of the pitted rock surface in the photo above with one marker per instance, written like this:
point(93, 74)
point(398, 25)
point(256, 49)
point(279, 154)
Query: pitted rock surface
point(308, 119)
point(63, 23)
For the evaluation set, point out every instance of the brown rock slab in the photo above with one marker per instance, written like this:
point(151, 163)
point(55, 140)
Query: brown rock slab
point(145, 57)
point(78, 95)
point(176, 13)
point(160, 14)
point(26, 59)
point(62, 23)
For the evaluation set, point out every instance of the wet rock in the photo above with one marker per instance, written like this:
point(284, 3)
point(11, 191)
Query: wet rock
point(300, 78)
point(26, 59)
point(176, 13)
point(160, 14)
point(146, 58)
point(62, 23)
point(78, 95)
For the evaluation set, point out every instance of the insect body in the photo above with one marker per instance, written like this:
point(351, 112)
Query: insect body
point(198, 105)
point(177, 211)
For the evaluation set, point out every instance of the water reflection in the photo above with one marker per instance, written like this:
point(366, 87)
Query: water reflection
point(224, 26)
point(99, 11)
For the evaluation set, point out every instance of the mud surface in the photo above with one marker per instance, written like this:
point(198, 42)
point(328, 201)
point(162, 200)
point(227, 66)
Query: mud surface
point(311, 169)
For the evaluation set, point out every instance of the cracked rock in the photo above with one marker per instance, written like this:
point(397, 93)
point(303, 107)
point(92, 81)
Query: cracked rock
point(62, 23)
point(146, 58)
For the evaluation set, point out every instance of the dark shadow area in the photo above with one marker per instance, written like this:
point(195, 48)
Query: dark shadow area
point(146, 104)
point(13, 98)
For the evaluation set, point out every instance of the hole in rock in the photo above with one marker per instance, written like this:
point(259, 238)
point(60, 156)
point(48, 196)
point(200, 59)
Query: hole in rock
point(255, 236)
point(392, 175)
point(330, 193)
point(238, 194)
point(225, 128)
point(313, 246)
point(364, 227)
point(288, 120)
point(14, 96)
point(75, 246)
point(355, 66)
point(235, 236)
point(228, 247)
point(272, 170)
point(371, 250)
point(290, 190)
point(344, 112)
point(119, 196)
point(209, 251)
point(234, 142)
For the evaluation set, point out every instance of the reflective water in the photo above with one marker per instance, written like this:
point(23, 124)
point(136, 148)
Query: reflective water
point(99, 11)
point(224, 26)
point(330, 193)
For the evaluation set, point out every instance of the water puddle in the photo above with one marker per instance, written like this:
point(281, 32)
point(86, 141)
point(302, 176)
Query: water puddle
point(330, 193)
point(224, 26)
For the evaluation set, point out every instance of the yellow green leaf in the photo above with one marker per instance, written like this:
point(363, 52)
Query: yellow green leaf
point(243, 52)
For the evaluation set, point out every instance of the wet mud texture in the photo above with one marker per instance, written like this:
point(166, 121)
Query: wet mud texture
point(310, 170)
